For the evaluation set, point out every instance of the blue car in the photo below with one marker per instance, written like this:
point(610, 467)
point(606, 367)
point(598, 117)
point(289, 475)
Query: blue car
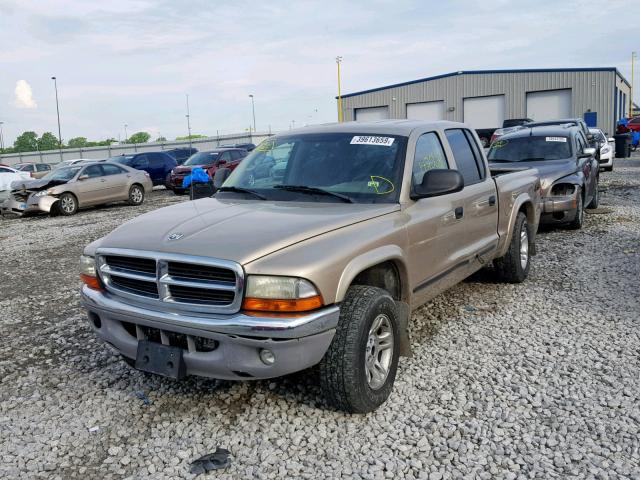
point(156, 164)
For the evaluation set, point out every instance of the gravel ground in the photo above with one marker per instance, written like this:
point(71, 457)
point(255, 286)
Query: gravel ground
point(538, 380)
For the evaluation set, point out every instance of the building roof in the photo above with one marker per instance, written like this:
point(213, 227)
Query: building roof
point(400, 127)
point(481, 72)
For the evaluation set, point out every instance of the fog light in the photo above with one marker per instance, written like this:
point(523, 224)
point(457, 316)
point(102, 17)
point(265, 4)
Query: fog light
point(267, 357)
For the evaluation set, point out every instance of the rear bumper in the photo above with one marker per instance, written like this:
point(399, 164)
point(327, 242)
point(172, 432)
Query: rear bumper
point(175, 181)
point(296, 342)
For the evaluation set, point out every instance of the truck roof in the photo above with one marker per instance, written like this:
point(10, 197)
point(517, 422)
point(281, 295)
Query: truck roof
point(389, 127)
point(550, 130)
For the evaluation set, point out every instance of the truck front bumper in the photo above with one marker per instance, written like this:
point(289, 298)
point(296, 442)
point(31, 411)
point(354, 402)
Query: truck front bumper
point(224, 346)
point(560, 209)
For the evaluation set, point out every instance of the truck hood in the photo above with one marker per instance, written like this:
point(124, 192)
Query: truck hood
point(549, 170)
point(238, 230)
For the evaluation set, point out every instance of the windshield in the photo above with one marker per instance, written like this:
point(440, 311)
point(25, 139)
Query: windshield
point(522, 149)
point(202, 158)
point(124, 159)
point(364, 168)
point(62, 174)
point(598, 136)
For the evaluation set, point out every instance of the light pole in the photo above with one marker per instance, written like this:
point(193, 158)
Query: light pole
point(1, 138)
point(633, 58)
point(55, 85)
point(188, 120)
point(126, 137)
point(253, 109)
point(340, 116)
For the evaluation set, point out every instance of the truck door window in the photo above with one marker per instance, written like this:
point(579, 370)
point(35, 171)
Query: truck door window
point(476, 153)
point(429, 155)
point(465, 160)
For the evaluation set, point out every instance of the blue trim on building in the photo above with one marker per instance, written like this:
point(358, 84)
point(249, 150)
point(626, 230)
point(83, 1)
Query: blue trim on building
point(481, 72)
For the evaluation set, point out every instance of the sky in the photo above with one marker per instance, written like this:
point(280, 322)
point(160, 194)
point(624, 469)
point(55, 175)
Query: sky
point(133, 62)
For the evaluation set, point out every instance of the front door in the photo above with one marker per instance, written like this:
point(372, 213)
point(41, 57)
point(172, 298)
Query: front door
point(92, 186)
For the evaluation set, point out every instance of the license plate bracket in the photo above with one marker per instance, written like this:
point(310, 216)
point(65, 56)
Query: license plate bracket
point(160, 359)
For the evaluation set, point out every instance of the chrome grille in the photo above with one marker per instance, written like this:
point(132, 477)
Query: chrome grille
point(172, 281)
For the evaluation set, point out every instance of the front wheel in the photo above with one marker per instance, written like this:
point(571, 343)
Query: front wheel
point(358, 371)
point(578, 221)
point(595, 201)
point(68, 204)
point(513, 267)
point(136, 195)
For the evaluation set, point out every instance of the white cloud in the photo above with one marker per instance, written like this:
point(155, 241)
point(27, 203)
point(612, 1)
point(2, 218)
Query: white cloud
point(24, 95)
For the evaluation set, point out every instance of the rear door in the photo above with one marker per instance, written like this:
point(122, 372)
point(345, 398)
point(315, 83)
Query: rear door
point(480, 210)
point(91, 185)
point(117, 182)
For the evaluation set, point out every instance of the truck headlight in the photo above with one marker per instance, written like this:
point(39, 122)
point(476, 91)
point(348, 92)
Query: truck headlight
point(41, 193)
point(88, 272)
point(280, 294)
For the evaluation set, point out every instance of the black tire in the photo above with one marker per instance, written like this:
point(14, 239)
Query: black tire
point(136, 195)
point(179, 191)
point(578, 221)
point(67, 204)
point(509, 268)
point(595, 201)
point(343, 374)
point(609, 169)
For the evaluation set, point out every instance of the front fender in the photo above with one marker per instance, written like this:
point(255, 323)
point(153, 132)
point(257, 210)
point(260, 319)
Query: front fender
point(369, 259)
point(532, 210)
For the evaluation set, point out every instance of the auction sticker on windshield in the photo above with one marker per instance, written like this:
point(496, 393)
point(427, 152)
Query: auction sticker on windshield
point(368, 140)
point(556, 139)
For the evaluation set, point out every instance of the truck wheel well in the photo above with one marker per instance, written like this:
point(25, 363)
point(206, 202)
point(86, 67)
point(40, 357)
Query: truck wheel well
point(527, 209)
point(384, 275)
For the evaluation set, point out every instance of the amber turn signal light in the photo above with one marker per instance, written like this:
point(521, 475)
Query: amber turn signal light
point(91, 282)
point(273, 305)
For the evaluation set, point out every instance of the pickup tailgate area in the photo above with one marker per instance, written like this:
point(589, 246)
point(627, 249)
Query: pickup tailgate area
point(518, 189)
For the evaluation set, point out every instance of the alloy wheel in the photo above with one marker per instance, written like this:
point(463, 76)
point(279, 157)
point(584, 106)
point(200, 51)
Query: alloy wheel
point(379, 353)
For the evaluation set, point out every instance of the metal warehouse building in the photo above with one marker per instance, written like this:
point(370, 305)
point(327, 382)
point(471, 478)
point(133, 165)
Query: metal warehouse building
point(484, 98)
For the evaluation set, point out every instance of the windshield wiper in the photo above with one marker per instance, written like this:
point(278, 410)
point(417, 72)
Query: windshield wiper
point(532, 159)
point(500, 160)
point(313, 190)
point(242, 190)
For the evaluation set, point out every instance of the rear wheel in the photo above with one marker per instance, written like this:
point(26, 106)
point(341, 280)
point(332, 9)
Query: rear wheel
point(578, 221)
point(513, 267)
point(136, 195)
point(358, 371)
point(68, 204)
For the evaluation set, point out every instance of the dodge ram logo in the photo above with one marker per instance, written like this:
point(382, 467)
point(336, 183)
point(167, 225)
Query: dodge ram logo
point(175, 236)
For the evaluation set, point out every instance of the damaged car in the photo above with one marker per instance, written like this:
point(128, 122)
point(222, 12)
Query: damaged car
point(65, 190)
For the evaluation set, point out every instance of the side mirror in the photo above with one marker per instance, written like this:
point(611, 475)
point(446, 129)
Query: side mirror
point(587, 152)
point(611, 139)
point(438, 182)
point(590, 136)
point(84, 176)
point(220, 176)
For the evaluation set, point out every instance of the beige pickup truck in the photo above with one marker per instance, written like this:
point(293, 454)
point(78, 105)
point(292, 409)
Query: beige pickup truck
point(314, 251)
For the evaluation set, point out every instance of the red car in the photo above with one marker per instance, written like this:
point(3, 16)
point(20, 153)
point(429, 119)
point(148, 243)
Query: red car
point(634, 124)
point(209, 161)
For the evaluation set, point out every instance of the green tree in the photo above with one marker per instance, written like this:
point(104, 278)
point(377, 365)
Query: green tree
point(139, 137)
point(161, 139)
point(47, 141)
point(77, 142)
point(27, 142)
point(191, 137)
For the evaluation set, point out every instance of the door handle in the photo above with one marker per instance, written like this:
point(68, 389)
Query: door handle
point(492, 200)
point(459, 212)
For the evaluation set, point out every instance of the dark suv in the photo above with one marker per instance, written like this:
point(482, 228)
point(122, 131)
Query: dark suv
point(566, 165)
point(209, 161)
point(181, 154)
point(156, 164)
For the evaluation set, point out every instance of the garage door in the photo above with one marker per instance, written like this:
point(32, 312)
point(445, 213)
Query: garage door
point(425, 111)
point(484, 112)
point(549, 105)
point(372, 113)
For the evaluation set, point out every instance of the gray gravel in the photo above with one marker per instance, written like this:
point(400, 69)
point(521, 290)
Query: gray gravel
point(538, 380)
